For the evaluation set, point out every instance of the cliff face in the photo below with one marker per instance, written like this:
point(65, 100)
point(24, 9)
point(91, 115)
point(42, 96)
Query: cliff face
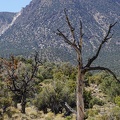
point(35, 25)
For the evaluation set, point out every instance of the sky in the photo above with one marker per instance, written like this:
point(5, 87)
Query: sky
point(13, 5)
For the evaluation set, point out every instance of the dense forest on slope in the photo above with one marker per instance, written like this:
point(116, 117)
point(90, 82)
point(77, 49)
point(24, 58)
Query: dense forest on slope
point(52, 90)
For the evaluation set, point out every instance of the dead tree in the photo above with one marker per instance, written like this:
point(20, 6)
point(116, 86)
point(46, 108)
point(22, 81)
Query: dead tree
point(21, 82)
point(77, 45)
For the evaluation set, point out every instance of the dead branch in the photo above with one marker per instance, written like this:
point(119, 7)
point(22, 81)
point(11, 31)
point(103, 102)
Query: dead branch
point(69, 108)
point(77, 45)
point(66, 40)
point(81, 36)
point(70, 26)
point(101, 68)
point(106, 38)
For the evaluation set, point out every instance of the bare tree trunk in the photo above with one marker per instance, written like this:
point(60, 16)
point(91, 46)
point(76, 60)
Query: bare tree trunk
point(79, 92)
point(15, 104)
point(23, 104)
point(79, 89)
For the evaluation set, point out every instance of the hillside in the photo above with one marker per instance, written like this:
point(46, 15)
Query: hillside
point(35, 25)
point(5, 19)
point(51, 88)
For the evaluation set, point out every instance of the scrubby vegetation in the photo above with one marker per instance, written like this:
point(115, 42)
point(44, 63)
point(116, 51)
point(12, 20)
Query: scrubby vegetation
point(51, 92)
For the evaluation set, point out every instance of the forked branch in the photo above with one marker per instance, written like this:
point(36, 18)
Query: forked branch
point(76, 44)
point(70, 26)
point(61, 34)
point(106, 38)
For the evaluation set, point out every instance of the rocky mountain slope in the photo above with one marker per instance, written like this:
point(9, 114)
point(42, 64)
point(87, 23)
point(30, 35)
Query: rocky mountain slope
point(5, 19)
point(35, 25)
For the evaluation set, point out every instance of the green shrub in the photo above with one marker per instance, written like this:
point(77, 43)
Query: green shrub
point(92, 112)
point(96, 78)
point(96, 101)
point(110, 87)
point(5, 103)
point(117, 100)
point(87, 98)
point(54, 95)
point(68, 118)
point(115, 113)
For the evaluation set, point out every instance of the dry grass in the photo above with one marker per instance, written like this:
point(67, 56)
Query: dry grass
point(32, 114)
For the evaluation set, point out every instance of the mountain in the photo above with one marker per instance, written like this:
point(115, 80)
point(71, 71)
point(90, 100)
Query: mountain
point(34, 27)
point(5, 19)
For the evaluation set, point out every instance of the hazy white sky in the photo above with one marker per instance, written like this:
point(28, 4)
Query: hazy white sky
point(12, 5)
